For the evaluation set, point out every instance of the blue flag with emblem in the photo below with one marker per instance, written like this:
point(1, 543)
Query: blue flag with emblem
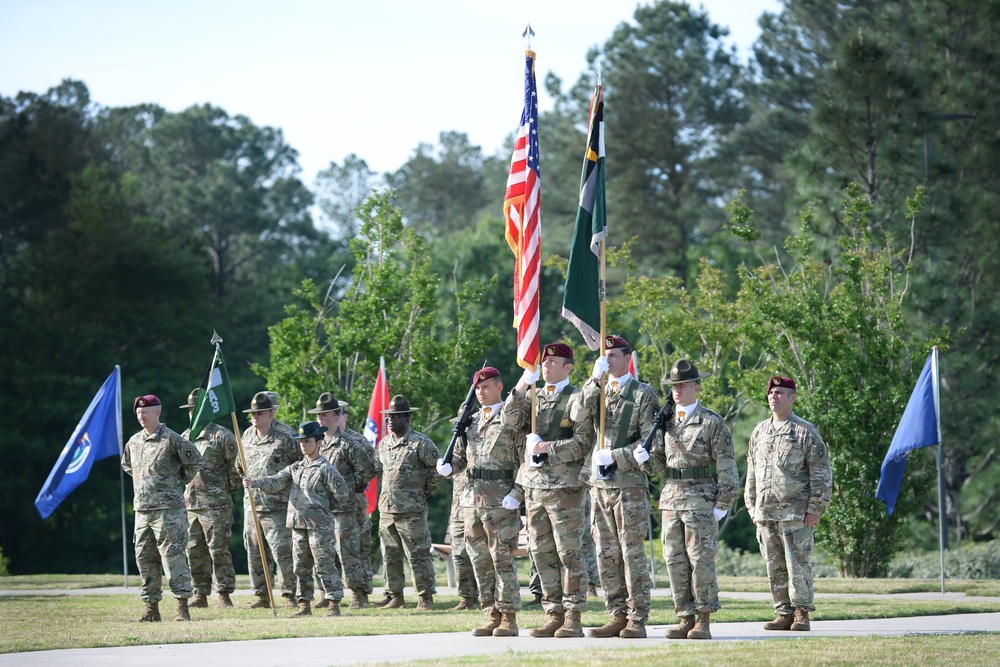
point(918, 428)
point(97, 436)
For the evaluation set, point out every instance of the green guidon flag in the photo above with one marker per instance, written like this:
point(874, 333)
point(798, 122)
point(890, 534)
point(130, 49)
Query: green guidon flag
point(215, 398)
point(582, 296)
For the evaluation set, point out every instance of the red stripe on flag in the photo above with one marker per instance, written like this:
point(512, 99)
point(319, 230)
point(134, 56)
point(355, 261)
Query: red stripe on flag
point(375, 426)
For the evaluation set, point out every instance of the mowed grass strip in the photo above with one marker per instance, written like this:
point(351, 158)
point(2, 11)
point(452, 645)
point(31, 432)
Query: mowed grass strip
point(967, 650)
point(42, 622)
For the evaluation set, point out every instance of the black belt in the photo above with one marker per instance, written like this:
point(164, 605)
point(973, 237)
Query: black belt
point(687, 473)
point(480, 473)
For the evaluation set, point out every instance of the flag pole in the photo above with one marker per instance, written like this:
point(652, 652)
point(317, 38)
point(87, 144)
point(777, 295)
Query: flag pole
point(942, 489)
point(121, 472)
point(253, 512)
point(602, 296)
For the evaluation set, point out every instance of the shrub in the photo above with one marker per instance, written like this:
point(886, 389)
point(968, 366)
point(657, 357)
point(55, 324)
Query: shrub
point(968, 561)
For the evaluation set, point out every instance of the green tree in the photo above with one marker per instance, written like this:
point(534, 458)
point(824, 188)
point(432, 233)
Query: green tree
point(341, 190)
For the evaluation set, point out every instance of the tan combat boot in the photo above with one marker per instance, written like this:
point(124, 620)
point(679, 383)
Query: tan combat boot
point(556, 620)
point(611, 628)
point(700, 629)
point(491, 625)
point(262, 602)
point(359, 599)
point(508, 625)
point(681, 630)
point(199, 601)
point(322, 604)
point(425, 603)
point(801, 623)
point(182, 610)
point(782, 622)
point(464, 604)
point(152, 614)
point(394, 602)
point(334, 609)
point(571, 626)
point(225, 602)
point(304, 609)
point(289, 600)
point(634, 630)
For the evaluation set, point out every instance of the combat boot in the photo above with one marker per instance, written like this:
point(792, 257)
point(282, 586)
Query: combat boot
point(491, 625)
point(199, 601)
point(225, 602)
point(782, 622)
point(536, 602)
point(611, 628)
point(701, 629)
point(152, 614)
point(262, 602)
point(426, 603)
point(556, 620)
point(289, 599)
point(322, 604)
point(571, 626)
point(634, 630)
point(394, 602)
point(334, 609)
point(801, 623)
point(304, 609)
point(681, 630)
point(508, 625)
point(182, 610)
point(464, 604)
point(359, 599)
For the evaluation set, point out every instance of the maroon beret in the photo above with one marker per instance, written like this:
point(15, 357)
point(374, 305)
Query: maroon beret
point(484, 374)
point(144, 402)
point(611, 342)
point(778, 381)
point(558, 350)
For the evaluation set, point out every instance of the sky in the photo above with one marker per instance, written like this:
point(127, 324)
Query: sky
point(374, 78)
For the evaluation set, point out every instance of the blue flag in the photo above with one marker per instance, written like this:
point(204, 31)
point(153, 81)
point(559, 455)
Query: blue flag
point(97, 436)
point(918, 428)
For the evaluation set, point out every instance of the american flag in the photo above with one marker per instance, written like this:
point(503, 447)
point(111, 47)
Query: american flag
point(375, 425)
point(522, 209)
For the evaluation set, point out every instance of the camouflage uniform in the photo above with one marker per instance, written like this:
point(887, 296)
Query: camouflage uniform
point(467, 587)
point(490, 463)
point(209, 498)
point(355, 463)
point(408, 479)
point(588, 548)
point(161, 464)
point(621, 503)
point(788, 476)
point(361, 516)
point(554, 494)
point(266, 455)
point(317, 491)
point(690, 531)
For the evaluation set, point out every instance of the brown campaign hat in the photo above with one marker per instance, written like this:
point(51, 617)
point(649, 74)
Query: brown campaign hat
point(484, 374)
point(192, 398)
point(144, 402)
point(779, 381)
point(275, 398)
point(309, 430)
point(398, 406)
point(684, 371)
point(326, 402)
point(557, 350)
point(261, 401)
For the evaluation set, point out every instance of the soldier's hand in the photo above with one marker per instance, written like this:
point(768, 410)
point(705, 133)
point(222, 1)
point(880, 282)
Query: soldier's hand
point(600, 367)
point(530, 376)
point(604, 457)
point(719, 514)
point(533, 443)
point(812, 520)
point(444, 469)
point(247, 483)
point(640, 454)
point(510, 502)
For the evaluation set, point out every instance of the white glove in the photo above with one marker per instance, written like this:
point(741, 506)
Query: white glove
point(444, 469)
point(719, 514)
point(510, 502)
point(600, 367)
point(640, 454)
point(529, 376)
point(604, 457)
point(531, 442)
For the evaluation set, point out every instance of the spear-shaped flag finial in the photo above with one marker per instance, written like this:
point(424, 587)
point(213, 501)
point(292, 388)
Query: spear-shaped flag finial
point(529, 33)
point(216, 338)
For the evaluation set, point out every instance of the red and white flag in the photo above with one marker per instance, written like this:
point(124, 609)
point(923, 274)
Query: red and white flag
point(375, 425)
point(522, 208)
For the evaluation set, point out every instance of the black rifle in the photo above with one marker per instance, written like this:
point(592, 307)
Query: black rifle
point(660, 422)
point(462, 424)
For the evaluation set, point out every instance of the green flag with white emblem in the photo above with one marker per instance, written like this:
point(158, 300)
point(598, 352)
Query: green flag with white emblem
point(215, 398)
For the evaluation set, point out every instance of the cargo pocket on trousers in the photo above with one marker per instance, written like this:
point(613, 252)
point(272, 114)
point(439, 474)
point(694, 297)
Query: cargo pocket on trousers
point(635, 506)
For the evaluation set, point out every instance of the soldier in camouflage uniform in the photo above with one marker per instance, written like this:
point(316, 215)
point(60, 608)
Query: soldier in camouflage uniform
point(589, 548)
point(276, 402)
point(355, 463)
point(691, 501)
point(552, 489)
point(209, 498)
point(268, 451)
point(408, 480)
point(361, 516)
point(789, 484)
point(316, 491)
point(160, 462)
point(490, 462)
point(621, 498)
point(468, 591)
